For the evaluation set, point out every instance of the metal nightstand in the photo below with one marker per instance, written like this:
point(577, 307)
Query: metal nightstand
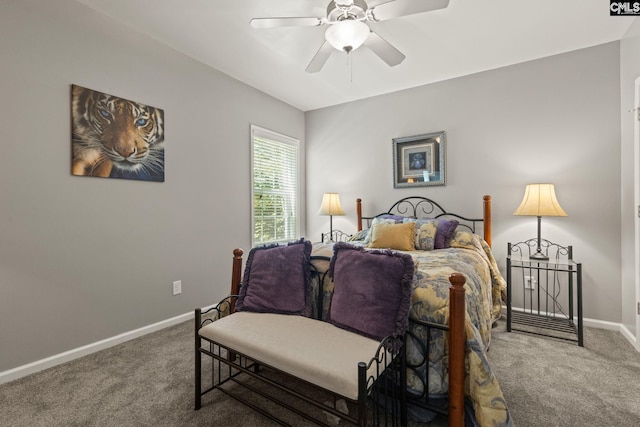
point(539, 290)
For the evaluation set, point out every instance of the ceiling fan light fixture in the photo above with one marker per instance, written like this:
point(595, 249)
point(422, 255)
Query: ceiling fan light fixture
point(344, 4)
point(347, 35)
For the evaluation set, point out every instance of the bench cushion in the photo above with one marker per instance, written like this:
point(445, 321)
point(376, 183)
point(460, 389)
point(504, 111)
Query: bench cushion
point(309, 349)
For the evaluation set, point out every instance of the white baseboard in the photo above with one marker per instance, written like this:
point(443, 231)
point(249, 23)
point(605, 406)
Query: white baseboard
point(600, 324)
point(630, 337)
point(67, 356)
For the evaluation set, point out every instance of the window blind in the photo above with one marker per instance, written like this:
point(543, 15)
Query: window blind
point(274, 186)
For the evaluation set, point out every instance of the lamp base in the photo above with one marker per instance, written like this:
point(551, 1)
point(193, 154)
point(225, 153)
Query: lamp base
point(539, 256)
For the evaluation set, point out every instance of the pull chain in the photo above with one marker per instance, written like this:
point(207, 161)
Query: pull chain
point(349, 49)
point(350, 66)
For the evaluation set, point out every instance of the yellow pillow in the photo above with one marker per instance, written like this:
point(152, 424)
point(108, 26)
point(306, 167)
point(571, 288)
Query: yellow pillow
point(400, 237)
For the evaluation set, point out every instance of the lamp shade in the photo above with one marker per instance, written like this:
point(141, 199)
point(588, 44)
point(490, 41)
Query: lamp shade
point(347, 35)
point(540, 200)
point(331, 205)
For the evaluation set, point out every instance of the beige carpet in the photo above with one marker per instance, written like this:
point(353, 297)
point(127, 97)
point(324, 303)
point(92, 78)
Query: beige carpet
point(149, 382)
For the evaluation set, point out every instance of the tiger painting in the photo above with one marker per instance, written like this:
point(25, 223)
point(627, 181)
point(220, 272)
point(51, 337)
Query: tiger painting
point(116, 138)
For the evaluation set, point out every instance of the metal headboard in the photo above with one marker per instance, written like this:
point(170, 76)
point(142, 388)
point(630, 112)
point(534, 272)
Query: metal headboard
point(422, 207)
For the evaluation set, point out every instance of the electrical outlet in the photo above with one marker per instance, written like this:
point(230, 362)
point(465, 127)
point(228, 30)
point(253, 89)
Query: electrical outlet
point(177, 287)
point(529, 282)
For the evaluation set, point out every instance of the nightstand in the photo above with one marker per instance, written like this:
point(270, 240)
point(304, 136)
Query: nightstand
point(542, 294)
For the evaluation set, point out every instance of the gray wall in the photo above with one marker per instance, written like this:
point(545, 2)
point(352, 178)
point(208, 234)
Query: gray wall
point(555, 120)
point(629, 72)
point(84, 259)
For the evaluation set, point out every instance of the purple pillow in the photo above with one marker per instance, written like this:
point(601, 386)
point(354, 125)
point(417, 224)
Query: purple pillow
point(277, 280)
point(391, 216)
point(372, 290)
point(444, 233)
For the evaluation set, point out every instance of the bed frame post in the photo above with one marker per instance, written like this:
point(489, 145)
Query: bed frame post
point(359, 213)
point(457, 312)
point(486, 214)
point(236, 275)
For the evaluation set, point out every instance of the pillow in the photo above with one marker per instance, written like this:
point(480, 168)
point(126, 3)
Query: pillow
point(433, 233)
point(401, 236)
point(277, 280)
point(399, 218)
point(360, 236)
point(426, 234)
point(383, 219)
point(446, 228)
point(463, 239)
point(372, 290)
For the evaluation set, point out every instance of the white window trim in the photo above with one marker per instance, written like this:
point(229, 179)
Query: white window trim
point(260, 132)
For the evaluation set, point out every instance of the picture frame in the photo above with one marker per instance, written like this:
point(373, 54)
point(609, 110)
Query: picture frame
point(419, 160)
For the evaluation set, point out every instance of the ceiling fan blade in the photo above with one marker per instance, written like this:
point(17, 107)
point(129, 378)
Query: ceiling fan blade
point(286, 22)
point(384, 49)
point(396, 8)
point(320, 58)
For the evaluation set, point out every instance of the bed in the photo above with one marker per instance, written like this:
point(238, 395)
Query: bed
point(461, 250)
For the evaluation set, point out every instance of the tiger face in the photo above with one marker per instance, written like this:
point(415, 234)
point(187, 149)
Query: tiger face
point(114, 137)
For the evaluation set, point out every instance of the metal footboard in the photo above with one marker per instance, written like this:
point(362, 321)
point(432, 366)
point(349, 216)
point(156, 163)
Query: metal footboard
point(423, 400)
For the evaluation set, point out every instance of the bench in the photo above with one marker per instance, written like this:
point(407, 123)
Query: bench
point(355, 357)
point(339, 363)
point(305, 360)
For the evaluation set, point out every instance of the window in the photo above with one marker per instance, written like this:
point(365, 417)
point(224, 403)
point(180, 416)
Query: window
point(274, 186)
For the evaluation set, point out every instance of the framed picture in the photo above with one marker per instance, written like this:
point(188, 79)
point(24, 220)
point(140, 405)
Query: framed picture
point(113, 137)
point(419, 160)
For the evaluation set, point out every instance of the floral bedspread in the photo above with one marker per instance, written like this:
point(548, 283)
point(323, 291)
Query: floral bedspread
point(472, 257)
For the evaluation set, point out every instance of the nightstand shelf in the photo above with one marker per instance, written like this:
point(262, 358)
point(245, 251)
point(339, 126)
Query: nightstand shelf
point(542, 294)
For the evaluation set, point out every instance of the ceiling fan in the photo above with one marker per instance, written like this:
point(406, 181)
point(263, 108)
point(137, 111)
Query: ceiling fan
point(348, 30)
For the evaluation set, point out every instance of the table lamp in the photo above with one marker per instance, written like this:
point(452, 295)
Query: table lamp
point(331, 206)
point(540, 200)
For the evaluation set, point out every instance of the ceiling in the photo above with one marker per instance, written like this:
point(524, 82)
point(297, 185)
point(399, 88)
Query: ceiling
point(467, 37)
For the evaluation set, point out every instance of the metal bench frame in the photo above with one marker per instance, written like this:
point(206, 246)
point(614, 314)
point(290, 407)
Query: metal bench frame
point(381, 396)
